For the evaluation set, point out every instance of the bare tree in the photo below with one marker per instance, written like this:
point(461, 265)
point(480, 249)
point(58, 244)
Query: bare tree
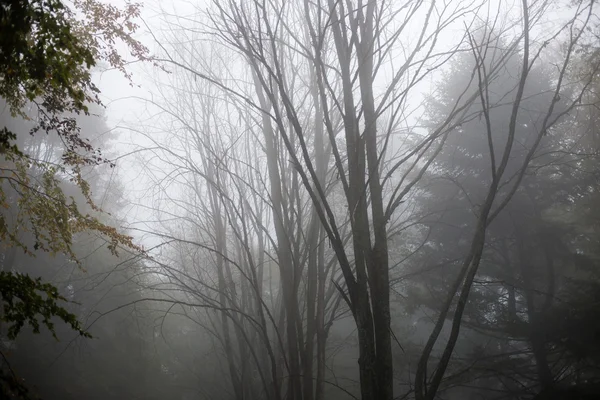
point(344, 51)
point(320, 90)
point(241, 208)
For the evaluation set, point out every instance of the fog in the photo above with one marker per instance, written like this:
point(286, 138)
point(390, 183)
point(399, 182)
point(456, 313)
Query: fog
point(316, 200)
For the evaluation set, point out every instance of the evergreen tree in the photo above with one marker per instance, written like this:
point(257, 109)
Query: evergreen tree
point(532, 254)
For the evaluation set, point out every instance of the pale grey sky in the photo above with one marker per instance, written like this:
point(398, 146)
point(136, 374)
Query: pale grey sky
point(126, 108)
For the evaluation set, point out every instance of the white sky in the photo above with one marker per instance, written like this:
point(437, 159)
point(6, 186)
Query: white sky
point(125, 105)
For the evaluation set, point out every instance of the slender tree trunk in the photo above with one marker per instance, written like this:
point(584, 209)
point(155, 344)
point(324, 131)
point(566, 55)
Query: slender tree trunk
point(379, 263)
point(538, 345)
point(284, 254)
point(223, 289)
point(320, 320)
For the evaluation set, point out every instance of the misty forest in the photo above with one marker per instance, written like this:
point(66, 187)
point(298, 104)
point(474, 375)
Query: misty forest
point(300, 199)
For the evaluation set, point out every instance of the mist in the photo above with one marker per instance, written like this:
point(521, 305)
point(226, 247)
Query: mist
point(302, 200)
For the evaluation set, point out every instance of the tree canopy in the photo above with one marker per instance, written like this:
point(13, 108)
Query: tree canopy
point(48, 50)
